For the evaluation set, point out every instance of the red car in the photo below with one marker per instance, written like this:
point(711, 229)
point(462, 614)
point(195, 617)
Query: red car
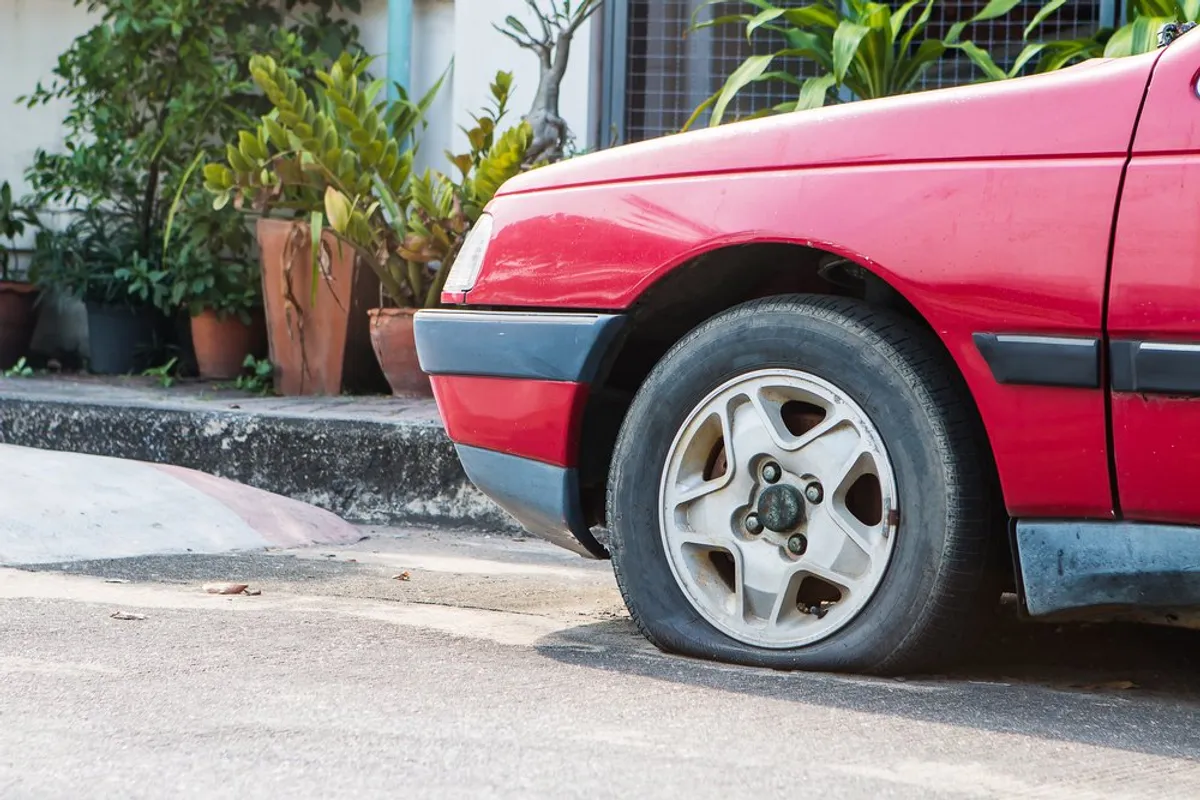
point(820, 383)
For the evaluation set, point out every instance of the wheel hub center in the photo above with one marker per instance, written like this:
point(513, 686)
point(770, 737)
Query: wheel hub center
point(781, 508)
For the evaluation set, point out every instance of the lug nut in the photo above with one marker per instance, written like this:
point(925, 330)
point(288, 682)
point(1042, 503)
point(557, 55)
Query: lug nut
point(814, 493)
point(772, 473)
point(753, 524)
point(797, 544)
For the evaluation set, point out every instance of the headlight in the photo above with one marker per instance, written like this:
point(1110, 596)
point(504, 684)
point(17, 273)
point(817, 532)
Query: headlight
point(470, 258)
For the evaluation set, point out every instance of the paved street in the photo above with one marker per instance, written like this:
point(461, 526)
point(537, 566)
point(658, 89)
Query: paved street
point(505, 668)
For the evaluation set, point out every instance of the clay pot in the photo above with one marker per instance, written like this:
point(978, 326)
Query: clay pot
point(396, 349)
point(17, 318)
point(321, 348)
point(222, 345)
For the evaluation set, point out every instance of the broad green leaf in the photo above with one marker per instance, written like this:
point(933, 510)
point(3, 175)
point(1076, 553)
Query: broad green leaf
point(1040, 16)
point(814, 91)
point(994, 9)
point(699, 112)
point(981, 59)
point(1062, 53)
point(1152, 8)
point(1120, 43)
point(915, 29)
point(914, 67)
point(316, 226)
point(814, 15)
point(1144, 37)
point(747, 71)
point(845, 44)
point(726, 19)
point(1030, 52)
point(761, 19)
point(899, 15)
point(1190, 9)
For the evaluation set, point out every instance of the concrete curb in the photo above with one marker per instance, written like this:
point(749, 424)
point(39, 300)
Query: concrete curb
point(365, 467)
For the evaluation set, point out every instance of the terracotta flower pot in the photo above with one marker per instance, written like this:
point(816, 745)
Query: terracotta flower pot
point(396, 349)
point(17, 318)
point(222, 345)
point(321, 348)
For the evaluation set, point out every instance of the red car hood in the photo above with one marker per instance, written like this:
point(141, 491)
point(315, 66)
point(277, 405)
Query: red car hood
point(1087, 110)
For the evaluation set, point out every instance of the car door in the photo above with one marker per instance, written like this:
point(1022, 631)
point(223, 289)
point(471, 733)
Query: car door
point(1153, 320)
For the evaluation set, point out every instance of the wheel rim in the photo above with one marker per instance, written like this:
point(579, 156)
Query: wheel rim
point(778, 508)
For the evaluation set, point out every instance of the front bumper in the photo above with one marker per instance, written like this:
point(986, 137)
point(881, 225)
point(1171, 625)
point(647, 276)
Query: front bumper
point(512, 388)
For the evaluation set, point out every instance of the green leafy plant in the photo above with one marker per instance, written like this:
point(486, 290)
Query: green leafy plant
point(15, 218)
point(205, 277)
point(259, 378)
point(19, 370)
point(344, 158)
point(156, 88)
point(92, 259)
point(164, 373)
point(146, 284)
point(1138, 35)
point(868, 49)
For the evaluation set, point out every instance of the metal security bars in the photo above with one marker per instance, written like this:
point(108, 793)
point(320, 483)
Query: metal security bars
point(657, 72)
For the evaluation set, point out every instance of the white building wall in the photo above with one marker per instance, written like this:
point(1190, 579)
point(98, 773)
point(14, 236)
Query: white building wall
point(34, 32)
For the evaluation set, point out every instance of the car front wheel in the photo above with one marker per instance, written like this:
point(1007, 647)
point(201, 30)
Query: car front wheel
point(800, 484)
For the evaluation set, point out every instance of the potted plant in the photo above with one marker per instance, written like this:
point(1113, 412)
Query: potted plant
point(17, 297)
point(213, 275)
point(351, 158)
point(151, 91)
point(96, 260)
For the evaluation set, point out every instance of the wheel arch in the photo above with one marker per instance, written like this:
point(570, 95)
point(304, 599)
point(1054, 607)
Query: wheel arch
point(701, 286)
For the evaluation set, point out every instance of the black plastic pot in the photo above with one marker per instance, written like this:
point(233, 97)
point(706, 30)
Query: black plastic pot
point(120, 339)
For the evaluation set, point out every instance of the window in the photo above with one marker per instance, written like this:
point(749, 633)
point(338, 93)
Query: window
point(658, 72)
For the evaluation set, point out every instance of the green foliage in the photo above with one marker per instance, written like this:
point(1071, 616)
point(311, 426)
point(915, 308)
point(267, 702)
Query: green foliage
point(19, 370)
point(155, 89)
point(259, 378)
point(202, 277)
point(164, 373)
point(145, 284)
point(82, 260)
point(868, 49)
point(344, 158)
point(1138, 35)
point(15, 218)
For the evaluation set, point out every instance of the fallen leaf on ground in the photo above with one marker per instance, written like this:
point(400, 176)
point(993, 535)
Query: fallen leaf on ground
point(225, 588)
point(115, 580)
point(403, 576)
point(126, 615)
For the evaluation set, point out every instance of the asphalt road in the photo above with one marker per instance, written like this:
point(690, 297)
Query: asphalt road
point(509, 669)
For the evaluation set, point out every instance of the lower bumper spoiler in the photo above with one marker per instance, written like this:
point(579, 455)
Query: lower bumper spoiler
point(511, 387)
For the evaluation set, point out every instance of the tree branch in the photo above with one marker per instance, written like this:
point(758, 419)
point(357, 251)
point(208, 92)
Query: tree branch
point(542, 20)
point(524, 41)
point(584, 13)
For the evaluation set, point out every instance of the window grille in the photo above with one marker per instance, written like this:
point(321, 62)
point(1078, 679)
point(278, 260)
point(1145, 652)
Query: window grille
point(659, 71)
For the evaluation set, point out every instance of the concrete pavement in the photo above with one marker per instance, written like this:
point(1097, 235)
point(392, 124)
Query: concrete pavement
point(505, 668)
point(68, 506)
